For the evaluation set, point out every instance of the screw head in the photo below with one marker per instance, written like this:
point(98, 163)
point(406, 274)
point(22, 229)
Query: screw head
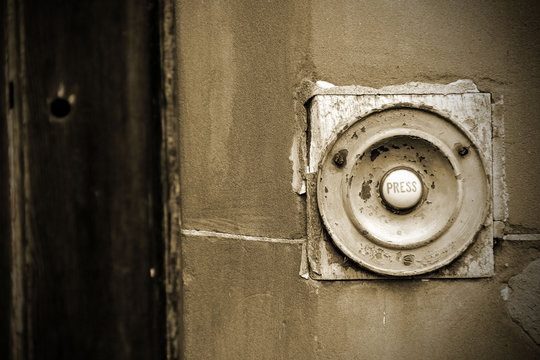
point(462, 150)
point(340, 158)
point(408, 259)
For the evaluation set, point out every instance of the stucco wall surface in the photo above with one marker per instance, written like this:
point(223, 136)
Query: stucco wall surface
point(244, 300)
point(377, 43)
point(240, 65)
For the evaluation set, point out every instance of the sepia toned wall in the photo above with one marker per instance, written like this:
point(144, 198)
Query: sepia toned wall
point(240, 67)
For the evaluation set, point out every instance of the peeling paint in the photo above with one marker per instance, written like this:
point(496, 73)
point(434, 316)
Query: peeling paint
point(500, 191)
point(365, 194)
point(505, 293)
point(298, 182)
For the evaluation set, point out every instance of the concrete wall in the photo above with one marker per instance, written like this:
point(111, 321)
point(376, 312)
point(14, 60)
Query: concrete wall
point(240, 63)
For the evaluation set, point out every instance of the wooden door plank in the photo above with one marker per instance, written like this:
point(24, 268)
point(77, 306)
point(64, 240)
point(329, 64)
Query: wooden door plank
point(91, 139)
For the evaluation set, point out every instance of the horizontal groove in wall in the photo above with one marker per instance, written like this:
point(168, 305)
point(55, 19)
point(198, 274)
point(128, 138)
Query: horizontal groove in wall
point(522, 237)
point(215, 234)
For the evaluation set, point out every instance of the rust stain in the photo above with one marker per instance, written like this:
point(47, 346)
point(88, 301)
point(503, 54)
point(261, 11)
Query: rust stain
point(365, 194)
point(376, 152)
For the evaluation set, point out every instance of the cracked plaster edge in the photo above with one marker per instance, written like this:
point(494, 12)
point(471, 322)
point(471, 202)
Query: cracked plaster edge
point(304, 262)
point(297, 158)
point(500, 191)
point(298, 153)
point(457, 87)
point(508, 295)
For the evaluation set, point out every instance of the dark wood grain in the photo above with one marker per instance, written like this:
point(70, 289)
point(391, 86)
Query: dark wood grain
point(5, 283)
point(170, 180)
point(93, 245)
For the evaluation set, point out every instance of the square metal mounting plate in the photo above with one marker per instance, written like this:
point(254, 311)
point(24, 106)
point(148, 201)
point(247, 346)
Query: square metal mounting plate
point(332, 109)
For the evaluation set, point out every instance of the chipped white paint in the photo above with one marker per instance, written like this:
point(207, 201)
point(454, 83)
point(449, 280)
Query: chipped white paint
point(505, 293)
point(214, 234)
point(324, 84)
point(304, 266)
point(498, 229)
point(500, 192)
point(298, 183)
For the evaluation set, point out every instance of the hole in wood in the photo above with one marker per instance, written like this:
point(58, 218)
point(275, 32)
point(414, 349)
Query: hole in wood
point(60, 107)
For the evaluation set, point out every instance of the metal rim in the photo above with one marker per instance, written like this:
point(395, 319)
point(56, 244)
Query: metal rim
point(416, 134)
point(458, 246)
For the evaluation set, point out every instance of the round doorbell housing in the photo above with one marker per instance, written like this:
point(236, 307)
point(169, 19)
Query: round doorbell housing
point(402, 191)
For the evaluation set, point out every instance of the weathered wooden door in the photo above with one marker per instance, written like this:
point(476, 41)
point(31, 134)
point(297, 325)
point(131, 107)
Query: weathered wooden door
point(83, 223)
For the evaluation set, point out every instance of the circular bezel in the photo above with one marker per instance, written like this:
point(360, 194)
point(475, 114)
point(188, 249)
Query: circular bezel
point(466, 208)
